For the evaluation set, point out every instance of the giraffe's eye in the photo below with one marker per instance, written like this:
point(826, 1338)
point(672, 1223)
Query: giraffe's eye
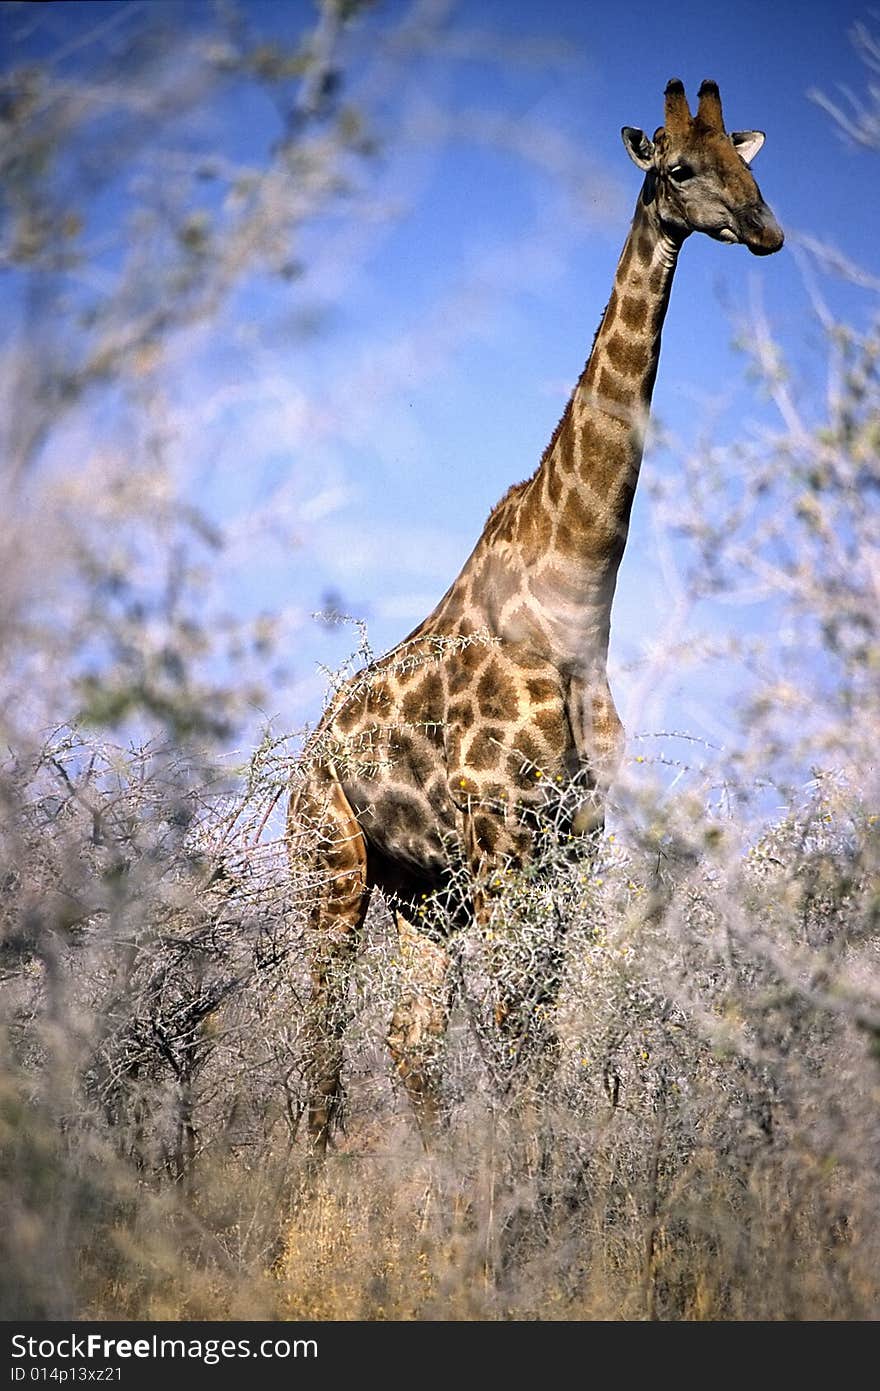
point(680, 172)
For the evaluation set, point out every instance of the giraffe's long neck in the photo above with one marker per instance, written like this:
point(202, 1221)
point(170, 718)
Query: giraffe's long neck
point(544, 570)
point(590, 470)
point(564, 531)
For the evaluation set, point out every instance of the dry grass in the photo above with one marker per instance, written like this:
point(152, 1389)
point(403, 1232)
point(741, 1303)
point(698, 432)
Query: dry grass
point(704, 1146)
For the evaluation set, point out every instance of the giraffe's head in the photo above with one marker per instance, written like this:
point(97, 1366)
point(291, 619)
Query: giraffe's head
point(698, 176)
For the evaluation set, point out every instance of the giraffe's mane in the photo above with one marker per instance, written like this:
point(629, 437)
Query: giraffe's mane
point(556, 433)
point(512, 491)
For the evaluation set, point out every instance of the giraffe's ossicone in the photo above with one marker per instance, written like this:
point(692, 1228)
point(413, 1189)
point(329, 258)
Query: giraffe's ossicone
point(443, 751)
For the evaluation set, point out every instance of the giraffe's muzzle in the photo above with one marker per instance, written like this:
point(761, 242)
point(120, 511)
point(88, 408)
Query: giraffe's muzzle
point(761, 232)
point(756, 228)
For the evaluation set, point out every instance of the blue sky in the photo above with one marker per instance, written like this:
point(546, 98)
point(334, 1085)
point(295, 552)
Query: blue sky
point(361, 458)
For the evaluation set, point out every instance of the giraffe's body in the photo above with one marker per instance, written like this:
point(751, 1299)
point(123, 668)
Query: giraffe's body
point(444, 750)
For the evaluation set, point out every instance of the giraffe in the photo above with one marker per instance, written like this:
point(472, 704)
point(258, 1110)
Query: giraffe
point(443, 750)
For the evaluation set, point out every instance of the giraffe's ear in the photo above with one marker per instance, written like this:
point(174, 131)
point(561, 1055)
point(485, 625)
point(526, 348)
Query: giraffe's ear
point(747, 143)
point(639, 148)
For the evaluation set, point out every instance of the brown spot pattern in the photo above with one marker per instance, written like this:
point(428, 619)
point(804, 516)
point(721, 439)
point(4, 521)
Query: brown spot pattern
point(627, 355)
point(644, 248)
point(461, 712)
point(540, 689)
point(551, 724)
point(634, 313)
point(485, 833)
point(496, 694)
point(484, 750)
point(612, 388)
point(576, 513)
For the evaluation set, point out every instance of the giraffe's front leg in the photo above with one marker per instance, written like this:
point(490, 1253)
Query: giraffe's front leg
point(338, 859)
point(418, 1026)
point(523, 955)
point(599, 742)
